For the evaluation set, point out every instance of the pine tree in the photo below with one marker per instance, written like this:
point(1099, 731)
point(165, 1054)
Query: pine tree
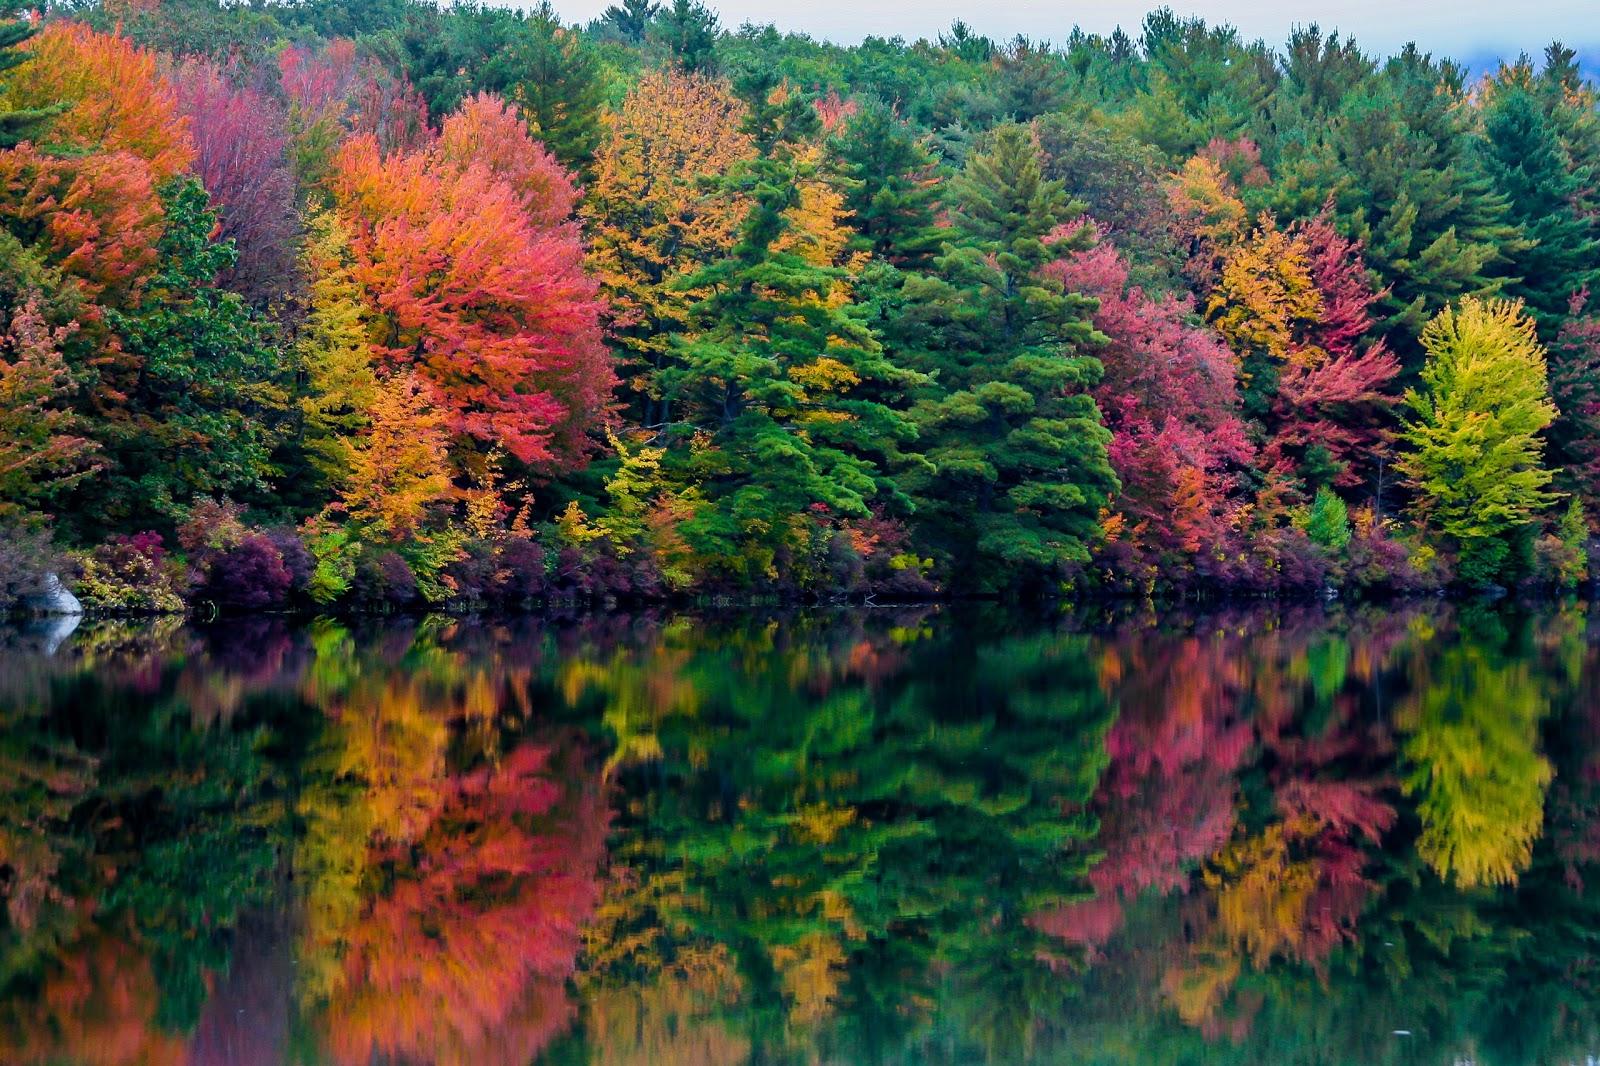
point(688, 31)
point(1412, 192)
point(631, 19)
point(201, 392)
point(1531, 168)
point(893, 191)
point(18, 124)
point(773, 378)
point(559, 87)
point(1020, 469)
point(1475, 432)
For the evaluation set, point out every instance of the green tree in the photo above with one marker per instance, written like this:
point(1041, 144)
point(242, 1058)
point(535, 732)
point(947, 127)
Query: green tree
point(892, 190)
point(631, 19)
point(1532, 169)
point(558, 86)
point(197, 400)
point(1328, 521)
point(778, 376)
point(688, 31)
point(1474, 432)
point(1020, 470)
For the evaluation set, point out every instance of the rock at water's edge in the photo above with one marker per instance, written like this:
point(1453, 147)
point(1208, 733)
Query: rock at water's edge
point(55, 599)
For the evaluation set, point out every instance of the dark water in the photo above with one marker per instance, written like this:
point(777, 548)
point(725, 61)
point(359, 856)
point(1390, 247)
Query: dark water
point(933, 836)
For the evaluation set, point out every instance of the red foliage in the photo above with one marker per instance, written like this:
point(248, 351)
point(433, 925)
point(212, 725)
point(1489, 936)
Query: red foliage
point(464, 955)
point(240, 142)
point(1239, 160)
point(1333, 392)
point(493, 309)
point(486, 130)
point(319, 85)
point(1169, 399)
point(98, 216)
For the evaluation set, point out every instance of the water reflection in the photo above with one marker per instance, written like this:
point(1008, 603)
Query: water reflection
point(926, 836)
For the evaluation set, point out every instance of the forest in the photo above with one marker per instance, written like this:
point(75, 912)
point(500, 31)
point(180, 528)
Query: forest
point(376, 304)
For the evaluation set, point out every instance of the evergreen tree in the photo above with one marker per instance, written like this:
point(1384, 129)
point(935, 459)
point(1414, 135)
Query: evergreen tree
point(892, 191)
point(1020, 470)
point(774, 376)
point(1531, 168)
point(631, 19)
point(688, 31)
point(1432, 223)
point(558, 86)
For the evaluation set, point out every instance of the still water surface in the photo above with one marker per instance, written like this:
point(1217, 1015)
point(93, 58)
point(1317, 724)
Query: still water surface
point(930, 836)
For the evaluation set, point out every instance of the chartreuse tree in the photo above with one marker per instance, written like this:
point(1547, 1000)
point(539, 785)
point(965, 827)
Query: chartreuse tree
point(1474, 432)
point(777, 378)
point(1020, 471)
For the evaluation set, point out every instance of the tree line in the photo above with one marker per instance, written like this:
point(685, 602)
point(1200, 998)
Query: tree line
point(383, 303)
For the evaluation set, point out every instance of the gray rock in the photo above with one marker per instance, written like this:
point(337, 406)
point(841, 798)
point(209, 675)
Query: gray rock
point(56, 598)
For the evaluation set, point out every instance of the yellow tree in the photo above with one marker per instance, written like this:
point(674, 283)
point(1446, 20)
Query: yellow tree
point(654, 217)
point(400, 467)
point(335, 349)
point(1474, 431)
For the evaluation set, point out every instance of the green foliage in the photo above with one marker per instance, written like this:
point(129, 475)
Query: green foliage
point(200, 401)
point(1474, 431)
point(892, 189)
point(777, 378)
point(688, 31)
point(1547, 192)
point(1018, 452)
point(1328, 521)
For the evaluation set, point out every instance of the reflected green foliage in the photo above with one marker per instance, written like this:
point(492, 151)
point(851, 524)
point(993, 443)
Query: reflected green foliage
point(881, 837)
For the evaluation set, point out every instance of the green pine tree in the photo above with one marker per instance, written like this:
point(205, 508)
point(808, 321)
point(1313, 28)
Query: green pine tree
point(1531, 168)
point(779, 376)
point(892, 192)
point(1020, 471)
point(20, 124)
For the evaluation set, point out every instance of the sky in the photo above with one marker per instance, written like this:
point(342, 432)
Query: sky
point(1462, 28)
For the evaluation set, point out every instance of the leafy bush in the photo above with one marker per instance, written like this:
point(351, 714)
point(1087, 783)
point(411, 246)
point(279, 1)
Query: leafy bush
point(132, 575)
point(249, 576)
point(382, 581)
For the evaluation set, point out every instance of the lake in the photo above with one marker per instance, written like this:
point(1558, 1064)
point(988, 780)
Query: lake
point(944, 835)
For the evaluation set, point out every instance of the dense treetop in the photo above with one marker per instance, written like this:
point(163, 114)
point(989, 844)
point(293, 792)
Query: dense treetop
point(471, 305)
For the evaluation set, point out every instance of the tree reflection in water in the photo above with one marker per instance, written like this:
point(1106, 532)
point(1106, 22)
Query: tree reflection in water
point(912, 836)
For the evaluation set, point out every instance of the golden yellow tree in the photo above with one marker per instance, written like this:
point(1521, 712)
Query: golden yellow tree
point(654, 217)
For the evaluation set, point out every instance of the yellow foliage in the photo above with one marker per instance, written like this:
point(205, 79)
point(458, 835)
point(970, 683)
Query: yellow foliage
point(651, 213)
point(1265, 292)
point(1262, 895)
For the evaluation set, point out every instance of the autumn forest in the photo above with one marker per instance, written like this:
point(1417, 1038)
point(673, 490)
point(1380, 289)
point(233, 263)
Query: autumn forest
point(380, 305)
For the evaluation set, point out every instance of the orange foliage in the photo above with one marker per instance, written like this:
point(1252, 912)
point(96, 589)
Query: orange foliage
point(97, 1007)
point(99, 215)
point(489, 307)
point(118, 100)
point(475, 925)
